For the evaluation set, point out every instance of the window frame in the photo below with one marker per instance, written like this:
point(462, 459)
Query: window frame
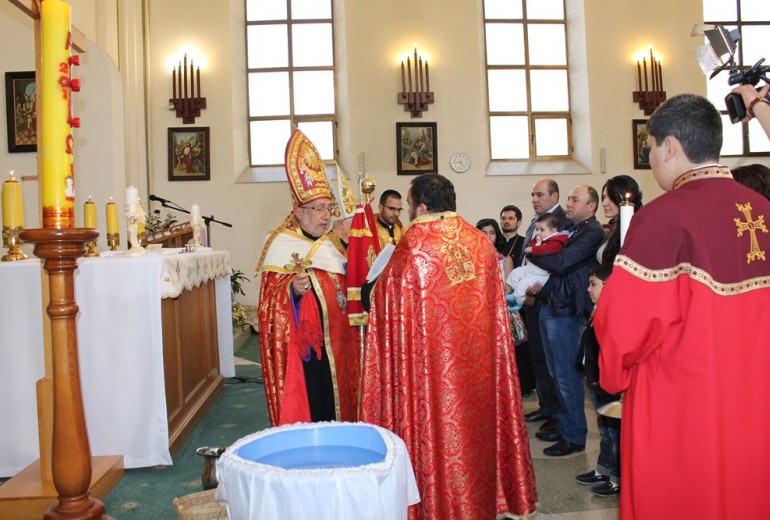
point(294, 119)
point(739, 24)
point(531, 115)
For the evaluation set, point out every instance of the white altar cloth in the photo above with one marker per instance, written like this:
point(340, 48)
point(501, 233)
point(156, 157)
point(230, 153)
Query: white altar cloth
point(120, 345)
point(21, 363)
point(378, 491)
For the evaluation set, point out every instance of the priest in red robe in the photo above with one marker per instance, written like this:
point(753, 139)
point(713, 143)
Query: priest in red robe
point(439, 366)
point(683, 327)
point(310, 353)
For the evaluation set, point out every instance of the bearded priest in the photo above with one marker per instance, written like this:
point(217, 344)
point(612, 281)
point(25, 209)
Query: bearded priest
point(439, 366)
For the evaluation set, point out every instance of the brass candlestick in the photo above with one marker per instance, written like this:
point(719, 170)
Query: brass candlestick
point(92, 252)
point(11, 241)
point(113, 239)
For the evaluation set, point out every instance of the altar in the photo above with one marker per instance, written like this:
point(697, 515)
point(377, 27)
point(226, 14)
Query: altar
point(154, 341)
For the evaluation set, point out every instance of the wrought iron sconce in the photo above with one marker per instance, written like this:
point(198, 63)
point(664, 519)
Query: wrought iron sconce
point(419, 95)
point(650, 94)
point(186, 87)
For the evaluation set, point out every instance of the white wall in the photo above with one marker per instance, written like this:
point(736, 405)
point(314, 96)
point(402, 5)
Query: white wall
point(370, 37)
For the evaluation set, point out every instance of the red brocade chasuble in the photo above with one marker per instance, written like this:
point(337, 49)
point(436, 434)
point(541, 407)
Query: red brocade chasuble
point(684, 328)
point(281, 365)
point(440, 372)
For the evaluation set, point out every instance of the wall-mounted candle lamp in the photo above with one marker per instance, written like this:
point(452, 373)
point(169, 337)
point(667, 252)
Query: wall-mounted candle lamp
point(650, 94)
point(186, 88)
point(418, 96)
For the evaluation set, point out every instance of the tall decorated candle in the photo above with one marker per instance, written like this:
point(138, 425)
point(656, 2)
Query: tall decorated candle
point(89, 214)
point(112, 217)
point(13, 207)
point(56, 121)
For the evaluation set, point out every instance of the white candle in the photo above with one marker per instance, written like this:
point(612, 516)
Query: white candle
point(132, 196)
point(626, 212)
point(195, 211)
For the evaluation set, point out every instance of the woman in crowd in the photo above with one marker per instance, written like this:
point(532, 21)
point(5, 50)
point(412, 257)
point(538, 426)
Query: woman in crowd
point(614, 192)
point(491, 229)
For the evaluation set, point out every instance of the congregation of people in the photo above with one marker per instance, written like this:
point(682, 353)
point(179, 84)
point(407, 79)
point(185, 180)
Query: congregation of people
point(463, 321)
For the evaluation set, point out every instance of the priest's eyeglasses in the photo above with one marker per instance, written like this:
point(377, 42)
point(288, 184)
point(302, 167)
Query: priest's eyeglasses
point(321, 208)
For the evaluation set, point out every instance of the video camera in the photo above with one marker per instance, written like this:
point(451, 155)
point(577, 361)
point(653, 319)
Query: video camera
point(718, 55)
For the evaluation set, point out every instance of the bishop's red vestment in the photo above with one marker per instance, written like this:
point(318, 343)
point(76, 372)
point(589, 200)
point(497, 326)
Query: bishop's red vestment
point(440, 372)
point(684, 328)
point(282, 363)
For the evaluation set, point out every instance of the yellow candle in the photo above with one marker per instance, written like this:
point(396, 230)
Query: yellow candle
point(112, 217)
point(89, 214)
point(140, 223)
point(57, 176)
point(13, 207)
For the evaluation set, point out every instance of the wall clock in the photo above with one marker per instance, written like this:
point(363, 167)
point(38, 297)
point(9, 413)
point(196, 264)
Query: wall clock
point(460, 162)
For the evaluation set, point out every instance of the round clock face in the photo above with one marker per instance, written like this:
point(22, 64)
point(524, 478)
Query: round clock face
point(460, 162)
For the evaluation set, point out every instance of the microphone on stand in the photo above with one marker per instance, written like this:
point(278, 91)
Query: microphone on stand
point(159, 199)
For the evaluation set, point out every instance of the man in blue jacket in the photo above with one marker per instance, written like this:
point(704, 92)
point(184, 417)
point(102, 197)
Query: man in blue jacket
point(565, 306)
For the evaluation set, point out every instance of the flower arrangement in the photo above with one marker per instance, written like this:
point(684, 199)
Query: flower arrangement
point(236, 286)
point(153, 222)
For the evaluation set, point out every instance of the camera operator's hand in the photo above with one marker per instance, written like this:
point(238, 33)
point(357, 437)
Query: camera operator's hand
point(761, 110)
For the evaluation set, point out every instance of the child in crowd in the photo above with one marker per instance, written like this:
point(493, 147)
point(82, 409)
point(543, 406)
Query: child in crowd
point(605, 479)
point(547, 240)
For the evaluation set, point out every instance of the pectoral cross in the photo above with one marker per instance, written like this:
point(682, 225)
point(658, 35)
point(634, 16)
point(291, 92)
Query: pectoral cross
point(297, 264)
point(751, 226)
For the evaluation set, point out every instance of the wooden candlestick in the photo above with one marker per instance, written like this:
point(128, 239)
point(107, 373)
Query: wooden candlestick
point(60, 249)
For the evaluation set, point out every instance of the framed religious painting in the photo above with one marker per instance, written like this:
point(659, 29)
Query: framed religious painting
point(416, 148)
point(188, 154)
point(21, 111)
point(641, 150)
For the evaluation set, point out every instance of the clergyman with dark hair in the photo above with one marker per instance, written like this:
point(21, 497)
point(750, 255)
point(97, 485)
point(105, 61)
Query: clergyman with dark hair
point(439, 368)
point(388, 220)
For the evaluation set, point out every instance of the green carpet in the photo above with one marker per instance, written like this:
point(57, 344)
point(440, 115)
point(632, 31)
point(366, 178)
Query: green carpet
point(148, 493)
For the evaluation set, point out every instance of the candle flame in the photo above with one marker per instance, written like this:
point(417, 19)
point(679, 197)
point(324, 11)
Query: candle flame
point(10, 174)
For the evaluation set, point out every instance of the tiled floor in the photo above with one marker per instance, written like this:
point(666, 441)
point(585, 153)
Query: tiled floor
point(561, 497)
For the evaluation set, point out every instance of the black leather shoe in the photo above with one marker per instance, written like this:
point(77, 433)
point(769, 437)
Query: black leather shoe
point(551, 436)
point(549, 425)
point(564, 447)
point(535, 416)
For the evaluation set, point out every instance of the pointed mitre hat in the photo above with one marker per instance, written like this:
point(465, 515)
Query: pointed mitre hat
point(343, 197)
point(305, 170)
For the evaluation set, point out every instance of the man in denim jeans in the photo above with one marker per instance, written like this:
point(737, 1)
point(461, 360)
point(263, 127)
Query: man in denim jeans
point(565, 305)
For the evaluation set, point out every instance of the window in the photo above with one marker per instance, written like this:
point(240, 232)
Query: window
point(527, 79)
point(752, 19)
point(290, 71)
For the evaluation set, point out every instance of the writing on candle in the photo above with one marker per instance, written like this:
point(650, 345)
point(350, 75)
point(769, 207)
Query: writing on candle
point(56, 143)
